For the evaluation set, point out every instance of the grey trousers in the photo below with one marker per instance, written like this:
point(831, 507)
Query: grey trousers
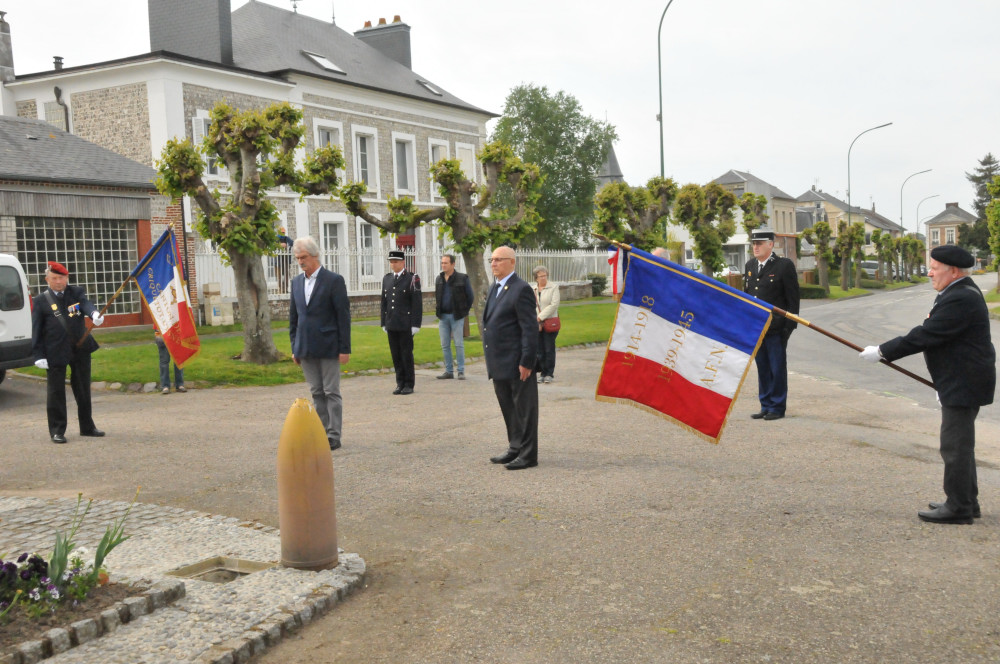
point(323, 376)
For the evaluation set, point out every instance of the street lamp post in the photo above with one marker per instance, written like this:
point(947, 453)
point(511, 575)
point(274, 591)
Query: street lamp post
point(659, 71)
point(849, 167)
point(901, 222)
point(917, 229)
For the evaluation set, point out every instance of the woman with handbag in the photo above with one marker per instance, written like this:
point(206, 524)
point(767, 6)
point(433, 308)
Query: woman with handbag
point(548, 322)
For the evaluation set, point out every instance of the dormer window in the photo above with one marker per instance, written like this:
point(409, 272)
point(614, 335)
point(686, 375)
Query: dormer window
point(430, 88)
point(323, 62)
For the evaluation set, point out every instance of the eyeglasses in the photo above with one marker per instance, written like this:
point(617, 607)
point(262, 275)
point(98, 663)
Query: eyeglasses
point(497, 260)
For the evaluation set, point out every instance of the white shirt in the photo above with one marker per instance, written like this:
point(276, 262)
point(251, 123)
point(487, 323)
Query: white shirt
point(311, 283)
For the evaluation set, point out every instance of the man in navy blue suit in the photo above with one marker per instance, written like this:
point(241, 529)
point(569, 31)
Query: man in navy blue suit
point(510, 343)
point(319, 324)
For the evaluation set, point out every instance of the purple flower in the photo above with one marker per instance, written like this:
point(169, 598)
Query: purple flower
point(26, 574)
point(22, 558)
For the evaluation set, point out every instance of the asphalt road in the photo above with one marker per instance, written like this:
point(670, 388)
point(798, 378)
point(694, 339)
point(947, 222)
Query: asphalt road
point(633, 541)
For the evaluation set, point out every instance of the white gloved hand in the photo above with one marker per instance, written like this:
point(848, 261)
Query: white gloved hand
point(871, 354)
point(414, 330)
point(42, 364)
point(97, 318)
point(383, 329)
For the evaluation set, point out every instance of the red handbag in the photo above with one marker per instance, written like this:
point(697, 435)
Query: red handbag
point(551, 324)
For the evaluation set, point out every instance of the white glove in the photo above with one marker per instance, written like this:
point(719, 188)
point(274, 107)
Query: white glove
point(97, 318)
point(42, 364)
point(414, 330)
point(383, 329)
point(871, 353)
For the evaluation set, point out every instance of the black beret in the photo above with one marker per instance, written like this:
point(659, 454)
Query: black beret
point(762, 234)
point(396, 255)
point(951, 254)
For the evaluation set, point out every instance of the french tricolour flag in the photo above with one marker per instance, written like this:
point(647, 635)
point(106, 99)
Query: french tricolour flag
point(617, 259)
point(681, 345)
point(162, 287)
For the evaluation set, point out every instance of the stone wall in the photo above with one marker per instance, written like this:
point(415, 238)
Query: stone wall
point(115, 118)
point(27, 109)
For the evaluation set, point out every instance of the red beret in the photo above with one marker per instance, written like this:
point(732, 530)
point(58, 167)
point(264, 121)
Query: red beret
point(58, 268)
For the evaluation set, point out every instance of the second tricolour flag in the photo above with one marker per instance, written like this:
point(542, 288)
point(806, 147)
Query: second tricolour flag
point(162, 286)
point(681, 345)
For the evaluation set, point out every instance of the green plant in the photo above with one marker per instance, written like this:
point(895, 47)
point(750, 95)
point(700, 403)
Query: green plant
point(64, 542)
point(113, 536)
point(598, 282)
point(812, 292)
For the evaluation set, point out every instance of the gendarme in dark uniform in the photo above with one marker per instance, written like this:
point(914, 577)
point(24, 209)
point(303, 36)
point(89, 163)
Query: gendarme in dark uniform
point(402, 312)
point(56, 330)
point(774, 280)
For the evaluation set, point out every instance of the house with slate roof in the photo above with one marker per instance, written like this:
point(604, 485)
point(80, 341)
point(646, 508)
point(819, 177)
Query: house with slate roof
point(943, 228)
point(780, 212)
point(357, 91)
point(66, 199)
point(816, 205)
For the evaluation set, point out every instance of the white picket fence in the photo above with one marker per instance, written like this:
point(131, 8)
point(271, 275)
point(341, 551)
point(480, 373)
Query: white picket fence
point(363, 269)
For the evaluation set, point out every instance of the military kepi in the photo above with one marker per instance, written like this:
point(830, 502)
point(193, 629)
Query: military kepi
point(949, 254)
point(58, 268)
point(396, 255)
point(762, 234)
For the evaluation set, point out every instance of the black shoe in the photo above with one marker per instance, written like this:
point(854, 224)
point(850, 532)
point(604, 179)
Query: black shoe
point(406, 390)
point(504, 458)
point(446, 375)
point(398, 390)
point(96, 433)
point(334, 445)
point(773, 416)
point(944, 514)
point(976, 512)
point(520, 464)
point(58, 438)
point(760, 415)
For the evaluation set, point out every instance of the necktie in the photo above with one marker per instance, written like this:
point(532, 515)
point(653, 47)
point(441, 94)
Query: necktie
point(495, 291)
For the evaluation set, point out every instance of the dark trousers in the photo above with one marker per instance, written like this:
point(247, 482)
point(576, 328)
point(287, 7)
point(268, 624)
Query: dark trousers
point(958, 450)
point(79, 380)
point(518, 401)
point(401, 347)
point(547, 352)
point(165, 366)
point(772, 374)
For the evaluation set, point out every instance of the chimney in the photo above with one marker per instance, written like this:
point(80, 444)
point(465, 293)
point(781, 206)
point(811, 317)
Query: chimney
point(948, 205)
point(6, 52)
point(390, 39)
point(57, 62)
point(199, 29)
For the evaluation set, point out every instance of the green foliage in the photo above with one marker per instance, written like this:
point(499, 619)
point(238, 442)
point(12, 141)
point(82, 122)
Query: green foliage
point(812, 292)
point(980, 178)
point(754, 208)
point(569, 148)
point(635, 215)
point(598, 282)
point(707, 213)
point(65, 541)
point(993, 217)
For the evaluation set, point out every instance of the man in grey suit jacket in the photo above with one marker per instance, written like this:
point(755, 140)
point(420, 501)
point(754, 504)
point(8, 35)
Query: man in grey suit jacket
point(319, 324)
point(510, 343)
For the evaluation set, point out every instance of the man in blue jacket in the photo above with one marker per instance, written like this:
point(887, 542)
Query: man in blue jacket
point(955, 341)
point(319, 324)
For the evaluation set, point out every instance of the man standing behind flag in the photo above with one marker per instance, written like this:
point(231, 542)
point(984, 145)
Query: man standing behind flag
point(60, 339)
point(772, 279)
point(510, 344)
point(319, 324)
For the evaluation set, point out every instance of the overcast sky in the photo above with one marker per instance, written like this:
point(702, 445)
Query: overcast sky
point(779, 88)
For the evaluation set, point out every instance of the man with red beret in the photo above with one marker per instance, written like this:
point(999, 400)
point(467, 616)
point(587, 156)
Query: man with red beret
point(59, 339)
point(955, 341)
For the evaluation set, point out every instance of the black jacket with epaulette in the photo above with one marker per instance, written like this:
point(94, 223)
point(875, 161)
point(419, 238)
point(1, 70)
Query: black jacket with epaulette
point(402, 303)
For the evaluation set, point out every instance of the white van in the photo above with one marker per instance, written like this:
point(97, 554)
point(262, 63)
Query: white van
point(15, 316)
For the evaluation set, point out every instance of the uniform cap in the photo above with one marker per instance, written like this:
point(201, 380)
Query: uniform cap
point(58, 268)
point(762, 234)
point(396, 255)
point(953, 255)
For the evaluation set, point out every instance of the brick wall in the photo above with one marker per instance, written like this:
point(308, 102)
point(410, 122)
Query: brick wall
point(115, 118)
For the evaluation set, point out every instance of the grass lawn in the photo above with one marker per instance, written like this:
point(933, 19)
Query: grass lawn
point(122, 360)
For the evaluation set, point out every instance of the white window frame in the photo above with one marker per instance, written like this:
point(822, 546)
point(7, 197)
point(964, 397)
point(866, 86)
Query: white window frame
point(409, 165)
point(374, 188)
point(200, 124)
point(474, 175)
point(935, 236)
point(328, 220)
point(949, 234)
point(373, 275)
point(320, 124)
point(431, 144)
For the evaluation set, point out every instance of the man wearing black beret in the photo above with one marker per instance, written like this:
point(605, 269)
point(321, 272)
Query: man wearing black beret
point(955, 341)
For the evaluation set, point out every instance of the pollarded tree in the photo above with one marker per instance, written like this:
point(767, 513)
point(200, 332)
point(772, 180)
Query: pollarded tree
point(819, 236)
point(257, 148)
point(754, 208)
point(470, 213)
point(993, 219)
point(845, 245)
point(858, 252)
point(913, 254)
point(707, 213)
point(882, 241)
point(635, 215)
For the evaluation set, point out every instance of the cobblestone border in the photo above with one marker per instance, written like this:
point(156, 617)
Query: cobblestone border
point(59, 640)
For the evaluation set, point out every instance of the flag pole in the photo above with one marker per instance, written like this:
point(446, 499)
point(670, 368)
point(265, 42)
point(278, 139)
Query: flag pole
point(803, 321)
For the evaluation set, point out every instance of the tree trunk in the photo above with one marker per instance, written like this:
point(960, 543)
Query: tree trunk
point(255, 313)
point(844, 274)
point(824, 274)
point(480, 282)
